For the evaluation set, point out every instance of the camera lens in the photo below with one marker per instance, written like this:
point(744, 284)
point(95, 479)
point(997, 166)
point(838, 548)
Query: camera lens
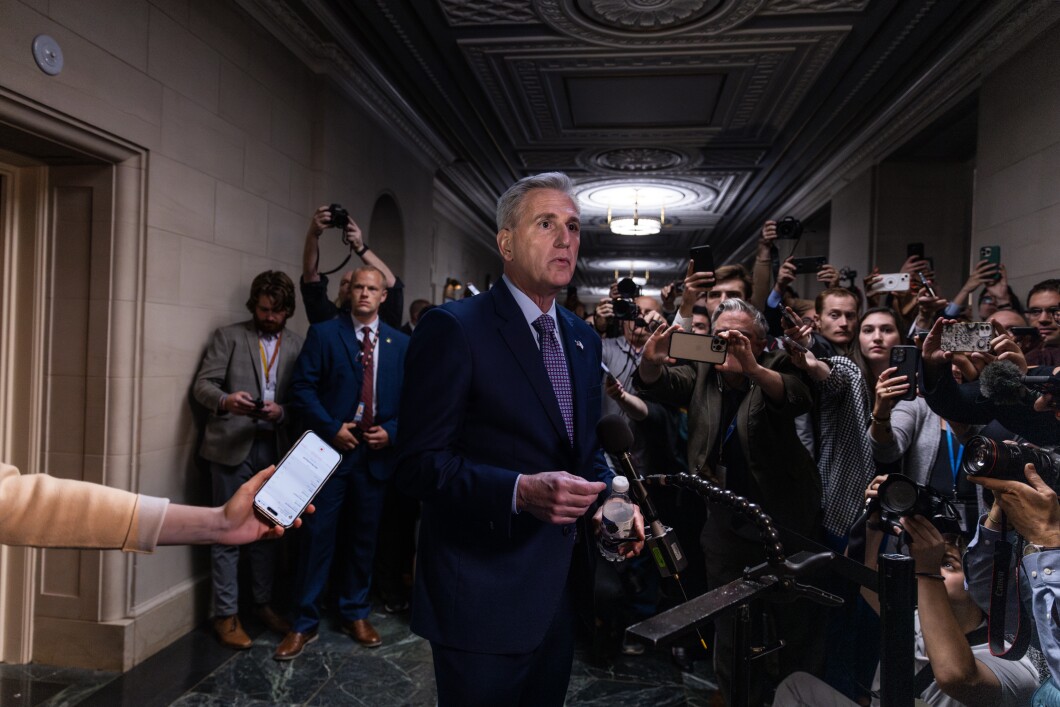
point(898, 494)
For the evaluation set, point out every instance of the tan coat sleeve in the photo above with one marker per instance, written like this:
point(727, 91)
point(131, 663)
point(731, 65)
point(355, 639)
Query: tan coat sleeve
point(42, 511)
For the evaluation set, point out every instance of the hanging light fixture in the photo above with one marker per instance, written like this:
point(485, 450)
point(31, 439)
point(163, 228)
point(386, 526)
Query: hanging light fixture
point(638, 225)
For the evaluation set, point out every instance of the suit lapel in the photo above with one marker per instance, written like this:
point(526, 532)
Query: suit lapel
point(516, 334)
point(348, 335)
point(253, 348)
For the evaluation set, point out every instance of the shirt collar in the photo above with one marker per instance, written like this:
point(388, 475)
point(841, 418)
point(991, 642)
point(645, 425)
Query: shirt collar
point(526, 305)
point(373, 326)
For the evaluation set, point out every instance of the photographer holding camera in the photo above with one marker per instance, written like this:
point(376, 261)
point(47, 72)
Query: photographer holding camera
point(954, 665)
point(638, 316)
point(314, 284)
point(1030, 507)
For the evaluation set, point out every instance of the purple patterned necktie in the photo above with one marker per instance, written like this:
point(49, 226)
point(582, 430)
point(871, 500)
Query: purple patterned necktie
point(556, 365)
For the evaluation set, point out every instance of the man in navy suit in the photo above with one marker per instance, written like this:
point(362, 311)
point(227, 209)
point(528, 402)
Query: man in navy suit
point(498, 441)
point(346, 388)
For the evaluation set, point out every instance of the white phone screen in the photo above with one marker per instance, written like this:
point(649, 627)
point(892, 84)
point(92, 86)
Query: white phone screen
point(297, 480)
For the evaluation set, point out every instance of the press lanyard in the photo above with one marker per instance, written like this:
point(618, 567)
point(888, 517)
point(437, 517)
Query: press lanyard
point(955, 459)
point(267, 363)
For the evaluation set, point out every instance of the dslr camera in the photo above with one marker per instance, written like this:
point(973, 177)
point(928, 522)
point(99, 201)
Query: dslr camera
point(1005, 460)
point(340, 217)
point(625, 306)
point(899, 497)
point(789, 227)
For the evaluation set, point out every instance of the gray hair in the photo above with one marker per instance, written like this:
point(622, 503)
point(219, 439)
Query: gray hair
point(738, 306)
point(510, 202)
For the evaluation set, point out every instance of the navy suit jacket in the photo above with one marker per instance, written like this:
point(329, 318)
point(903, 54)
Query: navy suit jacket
point(326, 386)
point(478, 409)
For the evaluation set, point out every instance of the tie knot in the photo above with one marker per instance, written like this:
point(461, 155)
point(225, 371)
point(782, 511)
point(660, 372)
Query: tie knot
point(544, 325)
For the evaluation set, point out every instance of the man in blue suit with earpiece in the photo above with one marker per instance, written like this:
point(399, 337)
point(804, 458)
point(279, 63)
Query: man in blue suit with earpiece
point(346, 387)
point(498, 439)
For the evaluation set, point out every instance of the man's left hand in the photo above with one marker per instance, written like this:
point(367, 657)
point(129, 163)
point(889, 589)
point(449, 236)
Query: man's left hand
point(1031, 507)
point(740, 358)
point(376, 437)
point(269, 411)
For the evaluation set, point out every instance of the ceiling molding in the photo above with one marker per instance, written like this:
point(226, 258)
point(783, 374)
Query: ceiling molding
point(342, 60)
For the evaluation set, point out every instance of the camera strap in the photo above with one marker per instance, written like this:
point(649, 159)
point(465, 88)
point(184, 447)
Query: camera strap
point(999, 584)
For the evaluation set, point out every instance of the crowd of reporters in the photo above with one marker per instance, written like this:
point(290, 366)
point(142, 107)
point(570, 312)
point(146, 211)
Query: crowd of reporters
point(824, 397)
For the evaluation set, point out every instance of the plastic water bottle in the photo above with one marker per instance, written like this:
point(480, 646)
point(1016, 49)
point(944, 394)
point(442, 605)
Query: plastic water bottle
point(617, 527)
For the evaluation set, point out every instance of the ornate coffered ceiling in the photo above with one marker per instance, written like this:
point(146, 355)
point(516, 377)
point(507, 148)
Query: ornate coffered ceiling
point(746, 108)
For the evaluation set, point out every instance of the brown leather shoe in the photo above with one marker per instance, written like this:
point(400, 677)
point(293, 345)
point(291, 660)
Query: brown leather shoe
point(362, 632)
point(292, 645)
point(231, 633)
point(273, 621)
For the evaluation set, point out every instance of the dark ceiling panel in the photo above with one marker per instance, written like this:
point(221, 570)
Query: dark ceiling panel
point(643, 101)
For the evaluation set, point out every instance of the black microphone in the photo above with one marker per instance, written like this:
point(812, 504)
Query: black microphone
point(616, 438)
point(1002, 383)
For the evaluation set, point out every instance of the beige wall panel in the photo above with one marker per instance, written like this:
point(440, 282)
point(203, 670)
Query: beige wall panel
point(165, 417)
point(167, 348)
point(180, 60)
point(285, 229)
point(196, 136)
point(1009, 192)
point(245, 102)
point(292, 130)
point(180, 199)
point(1017, 180)
point(224, 28)
point(267, 173)
point(163, 266)
point(118, 25)
point(241, 220)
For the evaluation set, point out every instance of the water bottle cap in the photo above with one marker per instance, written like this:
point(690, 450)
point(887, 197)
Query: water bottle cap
point(619, 484)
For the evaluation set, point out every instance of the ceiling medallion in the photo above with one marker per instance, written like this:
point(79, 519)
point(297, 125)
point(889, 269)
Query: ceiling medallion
point(638, 159)
point(635, 22)
point(647, 14)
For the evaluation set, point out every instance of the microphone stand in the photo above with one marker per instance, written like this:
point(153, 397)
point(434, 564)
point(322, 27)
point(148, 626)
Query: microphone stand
point(777, 575)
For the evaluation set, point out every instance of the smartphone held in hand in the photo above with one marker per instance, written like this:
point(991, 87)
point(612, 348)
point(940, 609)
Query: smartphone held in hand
point(298, 478)
point(698, 347)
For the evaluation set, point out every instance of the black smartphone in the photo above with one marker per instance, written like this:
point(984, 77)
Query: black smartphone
point(907, 360)
point(926, 284)
point(702, 259)
point(809, 264)
point(299, 476)
point(992, 254)
point(914, 249)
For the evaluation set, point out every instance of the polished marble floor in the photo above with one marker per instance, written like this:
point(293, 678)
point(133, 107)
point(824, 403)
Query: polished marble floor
point(196, 670)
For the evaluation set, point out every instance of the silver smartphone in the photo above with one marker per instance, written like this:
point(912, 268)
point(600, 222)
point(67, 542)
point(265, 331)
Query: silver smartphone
point(299, 476)
point(967, 337)
point(892, 282)
point(698, 347)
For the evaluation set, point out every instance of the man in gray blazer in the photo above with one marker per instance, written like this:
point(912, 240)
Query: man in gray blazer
point(242, 381)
